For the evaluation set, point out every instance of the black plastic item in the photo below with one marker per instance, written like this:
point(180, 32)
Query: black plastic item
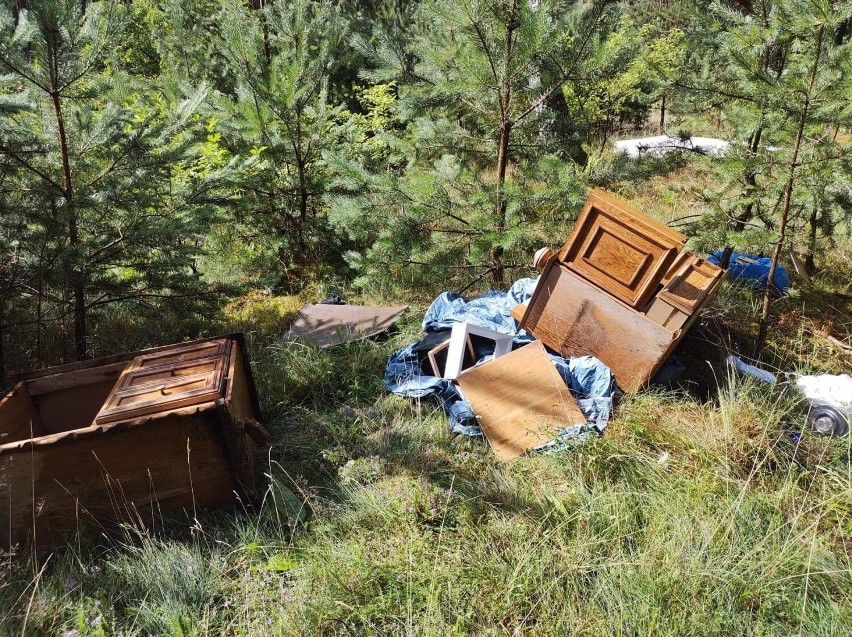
point(825, 419)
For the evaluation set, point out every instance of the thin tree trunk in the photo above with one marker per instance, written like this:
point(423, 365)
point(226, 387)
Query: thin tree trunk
point(506, 124)
point(78, 282)
point(813, 222)
point(788, 198)
point(663, 113)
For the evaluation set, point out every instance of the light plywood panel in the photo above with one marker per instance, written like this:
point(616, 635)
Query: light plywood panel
point(520, 400)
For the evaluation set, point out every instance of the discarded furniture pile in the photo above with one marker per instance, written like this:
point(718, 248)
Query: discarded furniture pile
point(621, 289)
point(128, 438)
point(615, 300)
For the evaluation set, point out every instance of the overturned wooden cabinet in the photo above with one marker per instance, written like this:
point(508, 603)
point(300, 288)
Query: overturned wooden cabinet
point(622, 289)
point(128, 439)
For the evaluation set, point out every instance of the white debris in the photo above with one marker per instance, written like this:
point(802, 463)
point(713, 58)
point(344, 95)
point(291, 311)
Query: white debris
point(663, 144)
point(827, 387)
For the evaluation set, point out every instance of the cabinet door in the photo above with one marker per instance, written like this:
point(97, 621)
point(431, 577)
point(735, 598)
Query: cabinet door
point(166, 380)
point(620, 250)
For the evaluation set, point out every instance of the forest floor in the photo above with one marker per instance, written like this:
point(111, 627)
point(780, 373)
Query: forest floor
point(699, 512)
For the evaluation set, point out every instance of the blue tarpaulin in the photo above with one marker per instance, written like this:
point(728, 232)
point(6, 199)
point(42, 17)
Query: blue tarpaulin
point(590, 381)
point(753, 271)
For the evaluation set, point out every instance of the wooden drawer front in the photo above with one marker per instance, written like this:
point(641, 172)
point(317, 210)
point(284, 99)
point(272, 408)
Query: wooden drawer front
point(620, 250)
point(180, 354)
point(150, 398)
point(162, 373)
point(688, 289)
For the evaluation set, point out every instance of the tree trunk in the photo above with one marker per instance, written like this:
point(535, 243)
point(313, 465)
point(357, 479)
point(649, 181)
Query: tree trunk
point(506, 124)
point(78, 283)
point(788, 198)
point(813, 222)
point(663, 113)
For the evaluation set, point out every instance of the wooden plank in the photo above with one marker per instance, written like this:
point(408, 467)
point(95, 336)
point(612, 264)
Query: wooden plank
point(575, 318)
point(19, 418)
point(620, 249)
point(67, 380)
point(179, 354)
point(132, 475)
point(520, 400)
point(116, 358)
point(328, 325)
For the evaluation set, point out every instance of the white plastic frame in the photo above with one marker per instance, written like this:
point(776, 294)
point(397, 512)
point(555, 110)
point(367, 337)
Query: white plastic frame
point(458, 338)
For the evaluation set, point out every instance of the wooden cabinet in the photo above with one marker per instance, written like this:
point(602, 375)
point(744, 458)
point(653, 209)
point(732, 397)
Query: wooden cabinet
point(622, 289)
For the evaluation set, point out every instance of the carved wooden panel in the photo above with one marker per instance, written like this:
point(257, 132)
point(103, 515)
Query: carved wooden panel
point(621, 250)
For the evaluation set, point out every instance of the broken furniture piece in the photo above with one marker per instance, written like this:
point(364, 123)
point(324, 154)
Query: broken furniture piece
point(127, 438)
point(622, 289)
point(460, 337)
point(520, 400)
point(326, 325)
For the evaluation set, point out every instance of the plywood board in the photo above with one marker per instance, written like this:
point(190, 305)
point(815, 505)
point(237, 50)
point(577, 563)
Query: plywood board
point(621, 250)
point(520, 400)
point(575, 318)
point(328, 325)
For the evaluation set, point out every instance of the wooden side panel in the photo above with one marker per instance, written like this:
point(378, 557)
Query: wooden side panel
point(575, 318)
point(520, 400)
point(620, 249)
point(19, 418)
point(239, 421)
point(133, 475)
point(72, 408)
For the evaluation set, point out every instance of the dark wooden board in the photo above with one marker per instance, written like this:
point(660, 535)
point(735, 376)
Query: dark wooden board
point(328, 325)
point(133, 475)
point(19, 418)
point(520, 400)
point(575, 318)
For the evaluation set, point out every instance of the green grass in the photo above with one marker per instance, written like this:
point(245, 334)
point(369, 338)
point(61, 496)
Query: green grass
point(686, 518)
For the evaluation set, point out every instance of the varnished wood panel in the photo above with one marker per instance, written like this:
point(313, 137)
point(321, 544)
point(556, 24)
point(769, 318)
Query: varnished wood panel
point(149, 398)
point(132, 475)
point(19, 418)
point(575, 318)
point(621, 250)
point(520, 400)
point(179, 354)
point(689, 287)
point(328, 325)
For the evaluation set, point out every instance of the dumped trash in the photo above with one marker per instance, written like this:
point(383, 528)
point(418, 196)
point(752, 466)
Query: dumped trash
point(330, 324)
point(664, 144)
point(621, 289)
point(829, 396)
point(109, 441)
point(753, 271)
point(409, 372)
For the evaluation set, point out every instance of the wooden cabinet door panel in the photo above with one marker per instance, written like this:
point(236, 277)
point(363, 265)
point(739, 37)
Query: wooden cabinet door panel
point(180, 354)
point(150, 398)
point(162, 373)
point(620, 250)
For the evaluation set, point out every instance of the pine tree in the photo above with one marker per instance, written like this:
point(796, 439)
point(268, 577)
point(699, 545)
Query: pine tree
point(785, 78)
point(101, 163)
point(477, 88)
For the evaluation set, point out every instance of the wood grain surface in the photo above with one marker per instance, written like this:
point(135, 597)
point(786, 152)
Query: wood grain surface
point(520, 400)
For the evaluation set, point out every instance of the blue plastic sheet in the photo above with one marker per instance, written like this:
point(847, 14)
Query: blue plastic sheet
point(753, 271)
point(590, 381)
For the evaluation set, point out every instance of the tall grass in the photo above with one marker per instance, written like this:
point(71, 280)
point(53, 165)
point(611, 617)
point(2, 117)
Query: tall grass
point(686, 518)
